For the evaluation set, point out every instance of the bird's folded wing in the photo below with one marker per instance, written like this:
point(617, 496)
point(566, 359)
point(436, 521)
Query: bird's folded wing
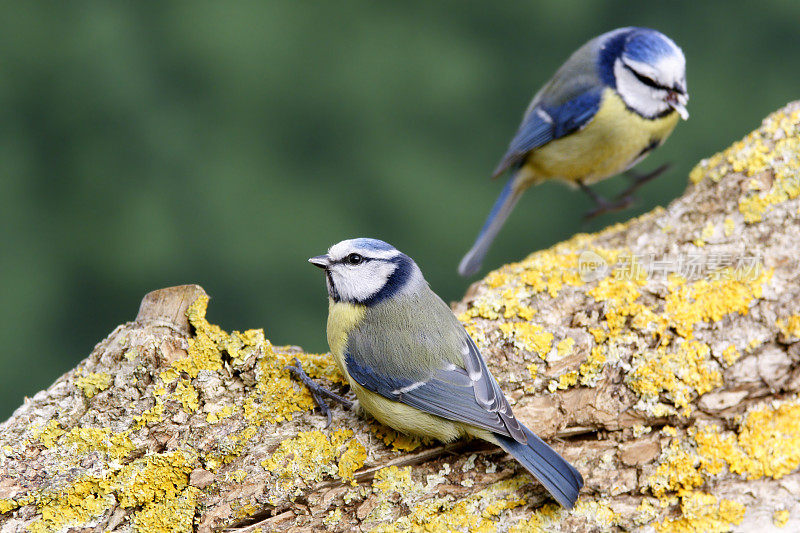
point(545, 122)
point(466, 394)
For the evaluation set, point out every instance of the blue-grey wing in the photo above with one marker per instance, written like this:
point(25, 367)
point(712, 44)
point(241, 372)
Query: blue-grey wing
point(467, 393)
point(549, 119)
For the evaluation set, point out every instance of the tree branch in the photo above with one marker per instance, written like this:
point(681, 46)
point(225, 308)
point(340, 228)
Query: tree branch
point(660, 356)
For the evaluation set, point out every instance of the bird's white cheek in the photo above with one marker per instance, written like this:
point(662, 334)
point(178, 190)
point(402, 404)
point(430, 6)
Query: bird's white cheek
point(645, 100)
point(361, 282)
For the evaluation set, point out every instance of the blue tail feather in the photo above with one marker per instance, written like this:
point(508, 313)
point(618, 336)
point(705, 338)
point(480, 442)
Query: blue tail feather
point(560, 478)
point(505, 203)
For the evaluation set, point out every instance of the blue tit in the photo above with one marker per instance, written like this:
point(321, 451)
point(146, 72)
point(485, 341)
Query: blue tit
point(413, 367)
point(616, 98)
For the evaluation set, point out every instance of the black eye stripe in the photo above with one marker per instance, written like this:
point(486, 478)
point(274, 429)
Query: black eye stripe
point(346, 260)
point(647, 81)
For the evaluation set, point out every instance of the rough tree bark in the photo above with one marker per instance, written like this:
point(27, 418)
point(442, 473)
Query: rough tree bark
point(660, 356)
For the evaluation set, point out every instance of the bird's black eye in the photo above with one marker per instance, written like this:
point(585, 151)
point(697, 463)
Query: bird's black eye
point(354, 259)
point(645, 79)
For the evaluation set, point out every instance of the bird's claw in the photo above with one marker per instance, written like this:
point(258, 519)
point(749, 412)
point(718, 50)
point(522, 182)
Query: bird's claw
point(318, 392)
point(637, 180)
point(644, 178)
point(604, 206)
point(625, 198)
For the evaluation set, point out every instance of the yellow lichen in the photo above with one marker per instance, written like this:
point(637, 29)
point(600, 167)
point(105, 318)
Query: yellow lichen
point(767, 443)
point(153, 478)
point(790, 326)
point(599, 335)
point(478, 512)
point(770, 155)
point(645, 513)
point(276, 396)
point(681, 373)
point(313, 454)
point(393, 479)
point(677, 470)
point(564, 346)
point(351, 460)
point(175, 514)
point(528, 336)
point(729, 226)
point(169, 375)
point(244, 510)
point(398, 441)
point(780, 518)
point(157, 485)
point(220, 414)
point(333, 517)
point(708, 232)
point(116, 445)
point(93, 383)
point(704, 512)
point(730, 355)
point(49, 434)
point(564, 382)
point(73, 506)
point(546, 271)
point(7, 505)
point(620, 294)
point(598, 513)
point(237, 476)
point(689, 304)
point(150, 416)
point(616, 289)
point(591, 369)
point(203, 355)
point(186, 394)
point(544, 519)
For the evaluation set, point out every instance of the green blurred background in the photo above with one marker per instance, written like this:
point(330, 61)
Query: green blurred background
point(148, 144)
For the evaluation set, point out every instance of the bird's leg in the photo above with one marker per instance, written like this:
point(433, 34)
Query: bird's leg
point(601, 204)
point(637, 180)
point(318, 392)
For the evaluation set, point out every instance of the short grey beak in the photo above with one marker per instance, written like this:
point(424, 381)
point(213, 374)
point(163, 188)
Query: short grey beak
point(320, 261)
point(681, 109)
point(678, 101)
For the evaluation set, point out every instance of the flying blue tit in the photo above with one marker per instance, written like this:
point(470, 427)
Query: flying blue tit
point(413, 367)
point(616, 98)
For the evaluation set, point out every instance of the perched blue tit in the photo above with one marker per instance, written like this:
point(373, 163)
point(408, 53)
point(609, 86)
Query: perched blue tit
point(616, 98)
point(413, 367)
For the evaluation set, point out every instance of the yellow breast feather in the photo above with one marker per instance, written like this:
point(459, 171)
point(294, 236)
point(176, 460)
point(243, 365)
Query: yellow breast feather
point(342, 318)
point(610, 143)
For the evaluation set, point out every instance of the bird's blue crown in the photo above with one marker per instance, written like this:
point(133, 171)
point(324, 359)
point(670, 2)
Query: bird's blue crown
point(377, 245)
point(648, 46)
point(639, 44)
